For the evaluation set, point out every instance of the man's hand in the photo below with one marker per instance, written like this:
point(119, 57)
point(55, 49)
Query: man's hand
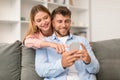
point(84, 55)
point(68, 58)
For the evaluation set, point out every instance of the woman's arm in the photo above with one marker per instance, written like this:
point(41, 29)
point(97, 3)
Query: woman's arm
point(32, 42)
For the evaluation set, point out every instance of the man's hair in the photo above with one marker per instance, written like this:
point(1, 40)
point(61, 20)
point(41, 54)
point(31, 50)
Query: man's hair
point(61, 10)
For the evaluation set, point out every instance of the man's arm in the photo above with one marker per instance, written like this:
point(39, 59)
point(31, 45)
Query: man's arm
point(44, 68)
point(93, 66)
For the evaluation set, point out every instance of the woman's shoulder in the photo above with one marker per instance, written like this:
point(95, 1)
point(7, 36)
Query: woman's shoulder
point(35, 35)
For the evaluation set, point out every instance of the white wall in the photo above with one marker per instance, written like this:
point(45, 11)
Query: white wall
point(105, 19)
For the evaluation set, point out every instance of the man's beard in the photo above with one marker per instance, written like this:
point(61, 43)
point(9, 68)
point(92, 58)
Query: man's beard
point(61, 35)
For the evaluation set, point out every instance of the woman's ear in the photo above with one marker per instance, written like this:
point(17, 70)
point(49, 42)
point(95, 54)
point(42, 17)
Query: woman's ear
point(34, 23)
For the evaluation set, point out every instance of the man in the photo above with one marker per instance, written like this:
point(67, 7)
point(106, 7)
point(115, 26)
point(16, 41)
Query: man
point(76, 64)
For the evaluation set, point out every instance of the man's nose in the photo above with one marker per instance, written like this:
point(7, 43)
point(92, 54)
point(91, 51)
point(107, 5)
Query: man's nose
point(63, 24)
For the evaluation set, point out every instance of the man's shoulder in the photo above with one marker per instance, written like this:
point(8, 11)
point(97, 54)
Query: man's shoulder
point(79, 37)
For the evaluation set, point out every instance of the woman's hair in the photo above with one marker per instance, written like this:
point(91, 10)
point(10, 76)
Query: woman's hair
point(35, 9)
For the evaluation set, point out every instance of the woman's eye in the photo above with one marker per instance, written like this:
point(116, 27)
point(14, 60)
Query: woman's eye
point(38, 20)
point(46, 17)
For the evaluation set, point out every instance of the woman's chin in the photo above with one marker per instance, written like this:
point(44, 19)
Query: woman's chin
point(46, 29)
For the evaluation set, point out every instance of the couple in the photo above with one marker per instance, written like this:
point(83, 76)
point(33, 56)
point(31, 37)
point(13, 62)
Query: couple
point(55, 60)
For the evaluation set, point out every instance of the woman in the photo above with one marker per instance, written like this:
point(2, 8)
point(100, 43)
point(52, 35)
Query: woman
point(39, 28)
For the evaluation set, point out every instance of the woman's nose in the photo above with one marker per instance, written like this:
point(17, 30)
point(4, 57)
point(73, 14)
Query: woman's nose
point(42, 22)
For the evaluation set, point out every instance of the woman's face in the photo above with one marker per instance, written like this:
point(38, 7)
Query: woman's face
point(43, 21)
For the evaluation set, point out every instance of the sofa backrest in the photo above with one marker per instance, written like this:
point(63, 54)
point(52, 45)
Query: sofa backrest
point(108, 54)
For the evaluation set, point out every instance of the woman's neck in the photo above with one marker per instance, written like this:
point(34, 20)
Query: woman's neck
point(48, 33)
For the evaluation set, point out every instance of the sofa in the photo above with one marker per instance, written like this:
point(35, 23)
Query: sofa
point(17, 61)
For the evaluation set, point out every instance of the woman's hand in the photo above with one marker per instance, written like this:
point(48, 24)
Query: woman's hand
point(60, 48)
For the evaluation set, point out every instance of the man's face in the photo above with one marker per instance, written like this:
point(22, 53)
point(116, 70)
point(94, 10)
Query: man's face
point(61, 25)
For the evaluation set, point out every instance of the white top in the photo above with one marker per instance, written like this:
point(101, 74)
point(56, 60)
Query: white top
point(63, 39)
point(72, 74)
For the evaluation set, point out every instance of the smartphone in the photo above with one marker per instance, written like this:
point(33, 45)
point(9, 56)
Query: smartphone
point(74, 45)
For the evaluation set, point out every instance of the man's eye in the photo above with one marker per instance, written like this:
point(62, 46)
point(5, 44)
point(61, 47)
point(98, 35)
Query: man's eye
point(67, 21)
point(59, 21)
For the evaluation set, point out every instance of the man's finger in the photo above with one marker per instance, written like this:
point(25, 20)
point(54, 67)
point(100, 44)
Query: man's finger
point(83, 47)
point(72, 52)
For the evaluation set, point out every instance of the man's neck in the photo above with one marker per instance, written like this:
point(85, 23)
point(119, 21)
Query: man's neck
point(63, 39)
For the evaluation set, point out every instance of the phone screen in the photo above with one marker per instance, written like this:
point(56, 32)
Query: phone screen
point(74, 45)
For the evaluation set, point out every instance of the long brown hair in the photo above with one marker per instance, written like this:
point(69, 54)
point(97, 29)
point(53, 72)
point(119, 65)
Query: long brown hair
point(32, 28)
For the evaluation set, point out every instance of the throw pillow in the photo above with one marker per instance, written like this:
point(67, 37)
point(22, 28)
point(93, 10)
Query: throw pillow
point(28, 65)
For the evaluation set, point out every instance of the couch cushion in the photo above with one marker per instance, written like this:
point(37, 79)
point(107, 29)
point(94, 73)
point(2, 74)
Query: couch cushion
point(28, 68)
point(108, 54)
point(10, 61)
